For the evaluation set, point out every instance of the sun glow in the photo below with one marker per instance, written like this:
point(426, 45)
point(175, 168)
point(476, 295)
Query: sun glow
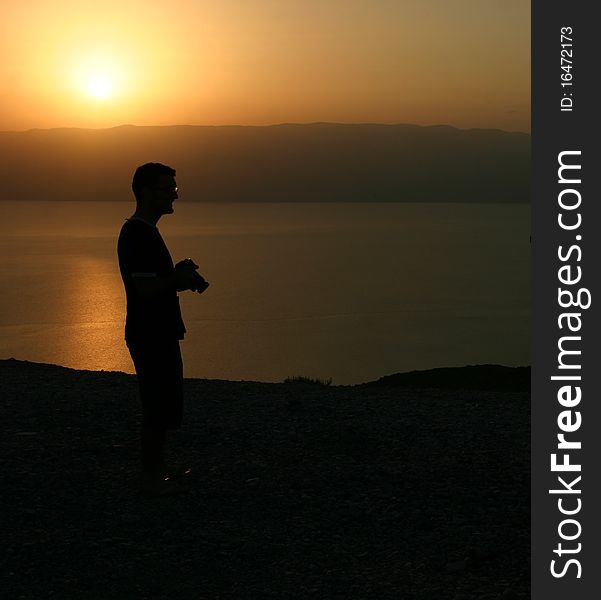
point(99, 86)
point(98, 75)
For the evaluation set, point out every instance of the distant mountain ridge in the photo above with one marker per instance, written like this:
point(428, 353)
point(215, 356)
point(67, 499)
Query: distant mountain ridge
point(496, 378)
point(316, 162)
point(489, 378)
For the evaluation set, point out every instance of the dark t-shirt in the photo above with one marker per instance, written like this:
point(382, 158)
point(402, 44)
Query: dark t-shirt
point(143, 253)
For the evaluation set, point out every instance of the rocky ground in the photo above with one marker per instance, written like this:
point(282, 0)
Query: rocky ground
point(299, 491)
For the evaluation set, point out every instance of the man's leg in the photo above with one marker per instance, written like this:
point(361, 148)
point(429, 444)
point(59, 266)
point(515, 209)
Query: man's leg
point(160, 376)
point(153, 452)
point(152, 479)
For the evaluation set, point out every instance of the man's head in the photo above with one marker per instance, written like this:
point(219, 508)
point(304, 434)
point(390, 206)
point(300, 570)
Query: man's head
point(154, 187)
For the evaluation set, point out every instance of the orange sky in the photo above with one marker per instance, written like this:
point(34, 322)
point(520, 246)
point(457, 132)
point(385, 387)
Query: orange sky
point(69, 63)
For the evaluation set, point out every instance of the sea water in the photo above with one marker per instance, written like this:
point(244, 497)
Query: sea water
point(341, 291)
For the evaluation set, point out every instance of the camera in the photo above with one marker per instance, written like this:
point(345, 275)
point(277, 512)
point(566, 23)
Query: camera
point(200, 284)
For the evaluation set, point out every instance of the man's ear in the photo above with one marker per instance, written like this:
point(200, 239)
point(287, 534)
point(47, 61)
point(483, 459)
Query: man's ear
point(145, 197)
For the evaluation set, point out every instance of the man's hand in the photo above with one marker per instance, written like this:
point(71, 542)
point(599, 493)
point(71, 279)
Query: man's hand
point(187, 262)
point(186, 277)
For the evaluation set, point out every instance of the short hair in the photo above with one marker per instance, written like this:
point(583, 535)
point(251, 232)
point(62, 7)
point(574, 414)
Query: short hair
point(148, 175)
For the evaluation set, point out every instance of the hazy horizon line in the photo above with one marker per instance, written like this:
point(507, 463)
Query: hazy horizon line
point(286, 123)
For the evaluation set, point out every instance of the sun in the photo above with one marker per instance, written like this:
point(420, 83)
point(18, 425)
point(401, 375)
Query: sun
point(100, 78)
point(100, 87)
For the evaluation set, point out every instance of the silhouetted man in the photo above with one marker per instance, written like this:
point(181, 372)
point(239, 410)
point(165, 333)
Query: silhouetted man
point(154, 325)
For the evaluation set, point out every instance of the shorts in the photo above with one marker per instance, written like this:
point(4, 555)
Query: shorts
point(160, 372)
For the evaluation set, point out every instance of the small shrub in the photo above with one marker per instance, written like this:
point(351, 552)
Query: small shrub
point(309, 381)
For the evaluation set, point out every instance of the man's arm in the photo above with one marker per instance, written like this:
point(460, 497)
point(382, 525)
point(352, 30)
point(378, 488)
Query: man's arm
point(149, 285)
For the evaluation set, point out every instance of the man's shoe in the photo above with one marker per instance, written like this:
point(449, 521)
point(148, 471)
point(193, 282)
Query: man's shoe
point(161, 487)
point(178, 473)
